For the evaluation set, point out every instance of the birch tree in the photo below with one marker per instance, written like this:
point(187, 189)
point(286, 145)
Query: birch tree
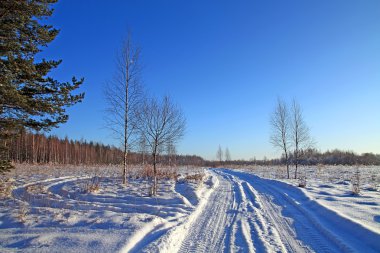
point(280, 130)
point(299, 133)
point(227, 155)
point(123, 95)
point(161, 123)
point(219, 154)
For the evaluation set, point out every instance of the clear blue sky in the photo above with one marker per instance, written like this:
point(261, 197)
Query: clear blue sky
point(226, 62)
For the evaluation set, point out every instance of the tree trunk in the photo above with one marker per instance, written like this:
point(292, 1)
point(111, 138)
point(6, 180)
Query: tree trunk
point(125, 180)
point(287, 164)
point(126, 124)
point(296, 162)
point(154, 188)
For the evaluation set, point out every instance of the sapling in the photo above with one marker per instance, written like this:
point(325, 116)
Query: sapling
point(302, 181)
point(355, 182)
point(373, 182)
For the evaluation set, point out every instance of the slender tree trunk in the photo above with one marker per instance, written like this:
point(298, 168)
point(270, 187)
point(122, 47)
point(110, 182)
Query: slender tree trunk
point(286, 155)
point(125, 164)
point(155, 175)
point(287, 164)
point(126, 123)
point(296, 163)
point(154, 188)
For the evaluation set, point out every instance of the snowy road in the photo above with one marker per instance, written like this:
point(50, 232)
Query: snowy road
point(227, 211)
point(246, 213)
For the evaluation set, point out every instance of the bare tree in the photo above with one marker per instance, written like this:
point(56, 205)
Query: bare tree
point(171, 153)
point(219, 154)
point(227, 155)
point(123, 94)
point(300, 134)
point(142, 148)
point(161, 123)
point(280, 130)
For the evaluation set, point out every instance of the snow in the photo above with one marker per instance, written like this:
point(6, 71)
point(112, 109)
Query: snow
point(51, 209)
point(71, 209)
point(331, 187)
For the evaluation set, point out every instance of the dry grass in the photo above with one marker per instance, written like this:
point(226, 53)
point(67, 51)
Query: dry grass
point(36, 189)
point(198, 177)
point(6, 187)
point(162, 173)
point(302, 181)
point(22, 213)
point(355, 182)
point(91, 186)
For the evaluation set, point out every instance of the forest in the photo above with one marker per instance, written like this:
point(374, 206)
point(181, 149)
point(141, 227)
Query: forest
point(37, 148)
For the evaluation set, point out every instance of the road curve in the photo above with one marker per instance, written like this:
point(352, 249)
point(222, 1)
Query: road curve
point(246, 213)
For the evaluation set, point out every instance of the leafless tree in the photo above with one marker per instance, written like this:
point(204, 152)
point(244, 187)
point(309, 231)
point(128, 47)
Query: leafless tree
point(227, 155)
point(160, 122)
point(171, 153)
point(219, 154)
point(300, 134)
point(142, 148)
point(123, 94)
point(280, 130)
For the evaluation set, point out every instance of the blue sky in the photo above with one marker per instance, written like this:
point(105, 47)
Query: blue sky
point(226, 62)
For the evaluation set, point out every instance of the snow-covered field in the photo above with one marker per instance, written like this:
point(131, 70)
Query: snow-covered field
point(59, 209)
point(331, 187)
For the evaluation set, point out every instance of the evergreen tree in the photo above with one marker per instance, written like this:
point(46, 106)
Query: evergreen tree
point(29, 97)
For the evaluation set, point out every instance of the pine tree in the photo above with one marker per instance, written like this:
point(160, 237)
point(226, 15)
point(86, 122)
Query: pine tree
point(29, 97)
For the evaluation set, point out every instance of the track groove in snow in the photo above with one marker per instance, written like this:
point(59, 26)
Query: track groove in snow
point(248, 214)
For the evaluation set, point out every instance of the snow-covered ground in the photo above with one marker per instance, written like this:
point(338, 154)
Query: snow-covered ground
point(59, 209)
point(331, 187)
point(241, 210)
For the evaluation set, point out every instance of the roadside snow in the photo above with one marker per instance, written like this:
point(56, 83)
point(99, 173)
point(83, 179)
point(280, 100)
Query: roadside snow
point(55, 209)
point(331, 187)
point(79, 209)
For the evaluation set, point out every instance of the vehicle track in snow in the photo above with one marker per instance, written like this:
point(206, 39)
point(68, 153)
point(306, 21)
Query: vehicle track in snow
point(248, 214)
point(232, 221)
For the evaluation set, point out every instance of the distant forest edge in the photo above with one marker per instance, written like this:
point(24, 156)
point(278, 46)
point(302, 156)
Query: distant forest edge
point(315, 157)
point(41, 149)
point(34, 148)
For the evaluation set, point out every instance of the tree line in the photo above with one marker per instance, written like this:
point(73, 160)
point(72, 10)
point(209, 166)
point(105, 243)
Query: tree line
point(335, 157)
point(310, 157)
point(35, 148)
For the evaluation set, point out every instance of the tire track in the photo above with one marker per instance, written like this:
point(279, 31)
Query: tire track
point(298, 230)
point(249, 214)
point(206, 234)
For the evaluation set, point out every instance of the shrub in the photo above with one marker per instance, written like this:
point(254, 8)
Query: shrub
point(302, 181)
point(92, 185)
point(355, 182)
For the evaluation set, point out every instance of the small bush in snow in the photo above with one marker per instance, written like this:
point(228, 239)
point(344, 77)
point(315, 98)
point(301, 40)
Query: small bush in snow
point(22, 213)
point(91, 186)
point(320, 169)
point(195, 177)
point(6, 187)
point(36, 189)
point(355, 182)
point(302, 181)
point(373, 182)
